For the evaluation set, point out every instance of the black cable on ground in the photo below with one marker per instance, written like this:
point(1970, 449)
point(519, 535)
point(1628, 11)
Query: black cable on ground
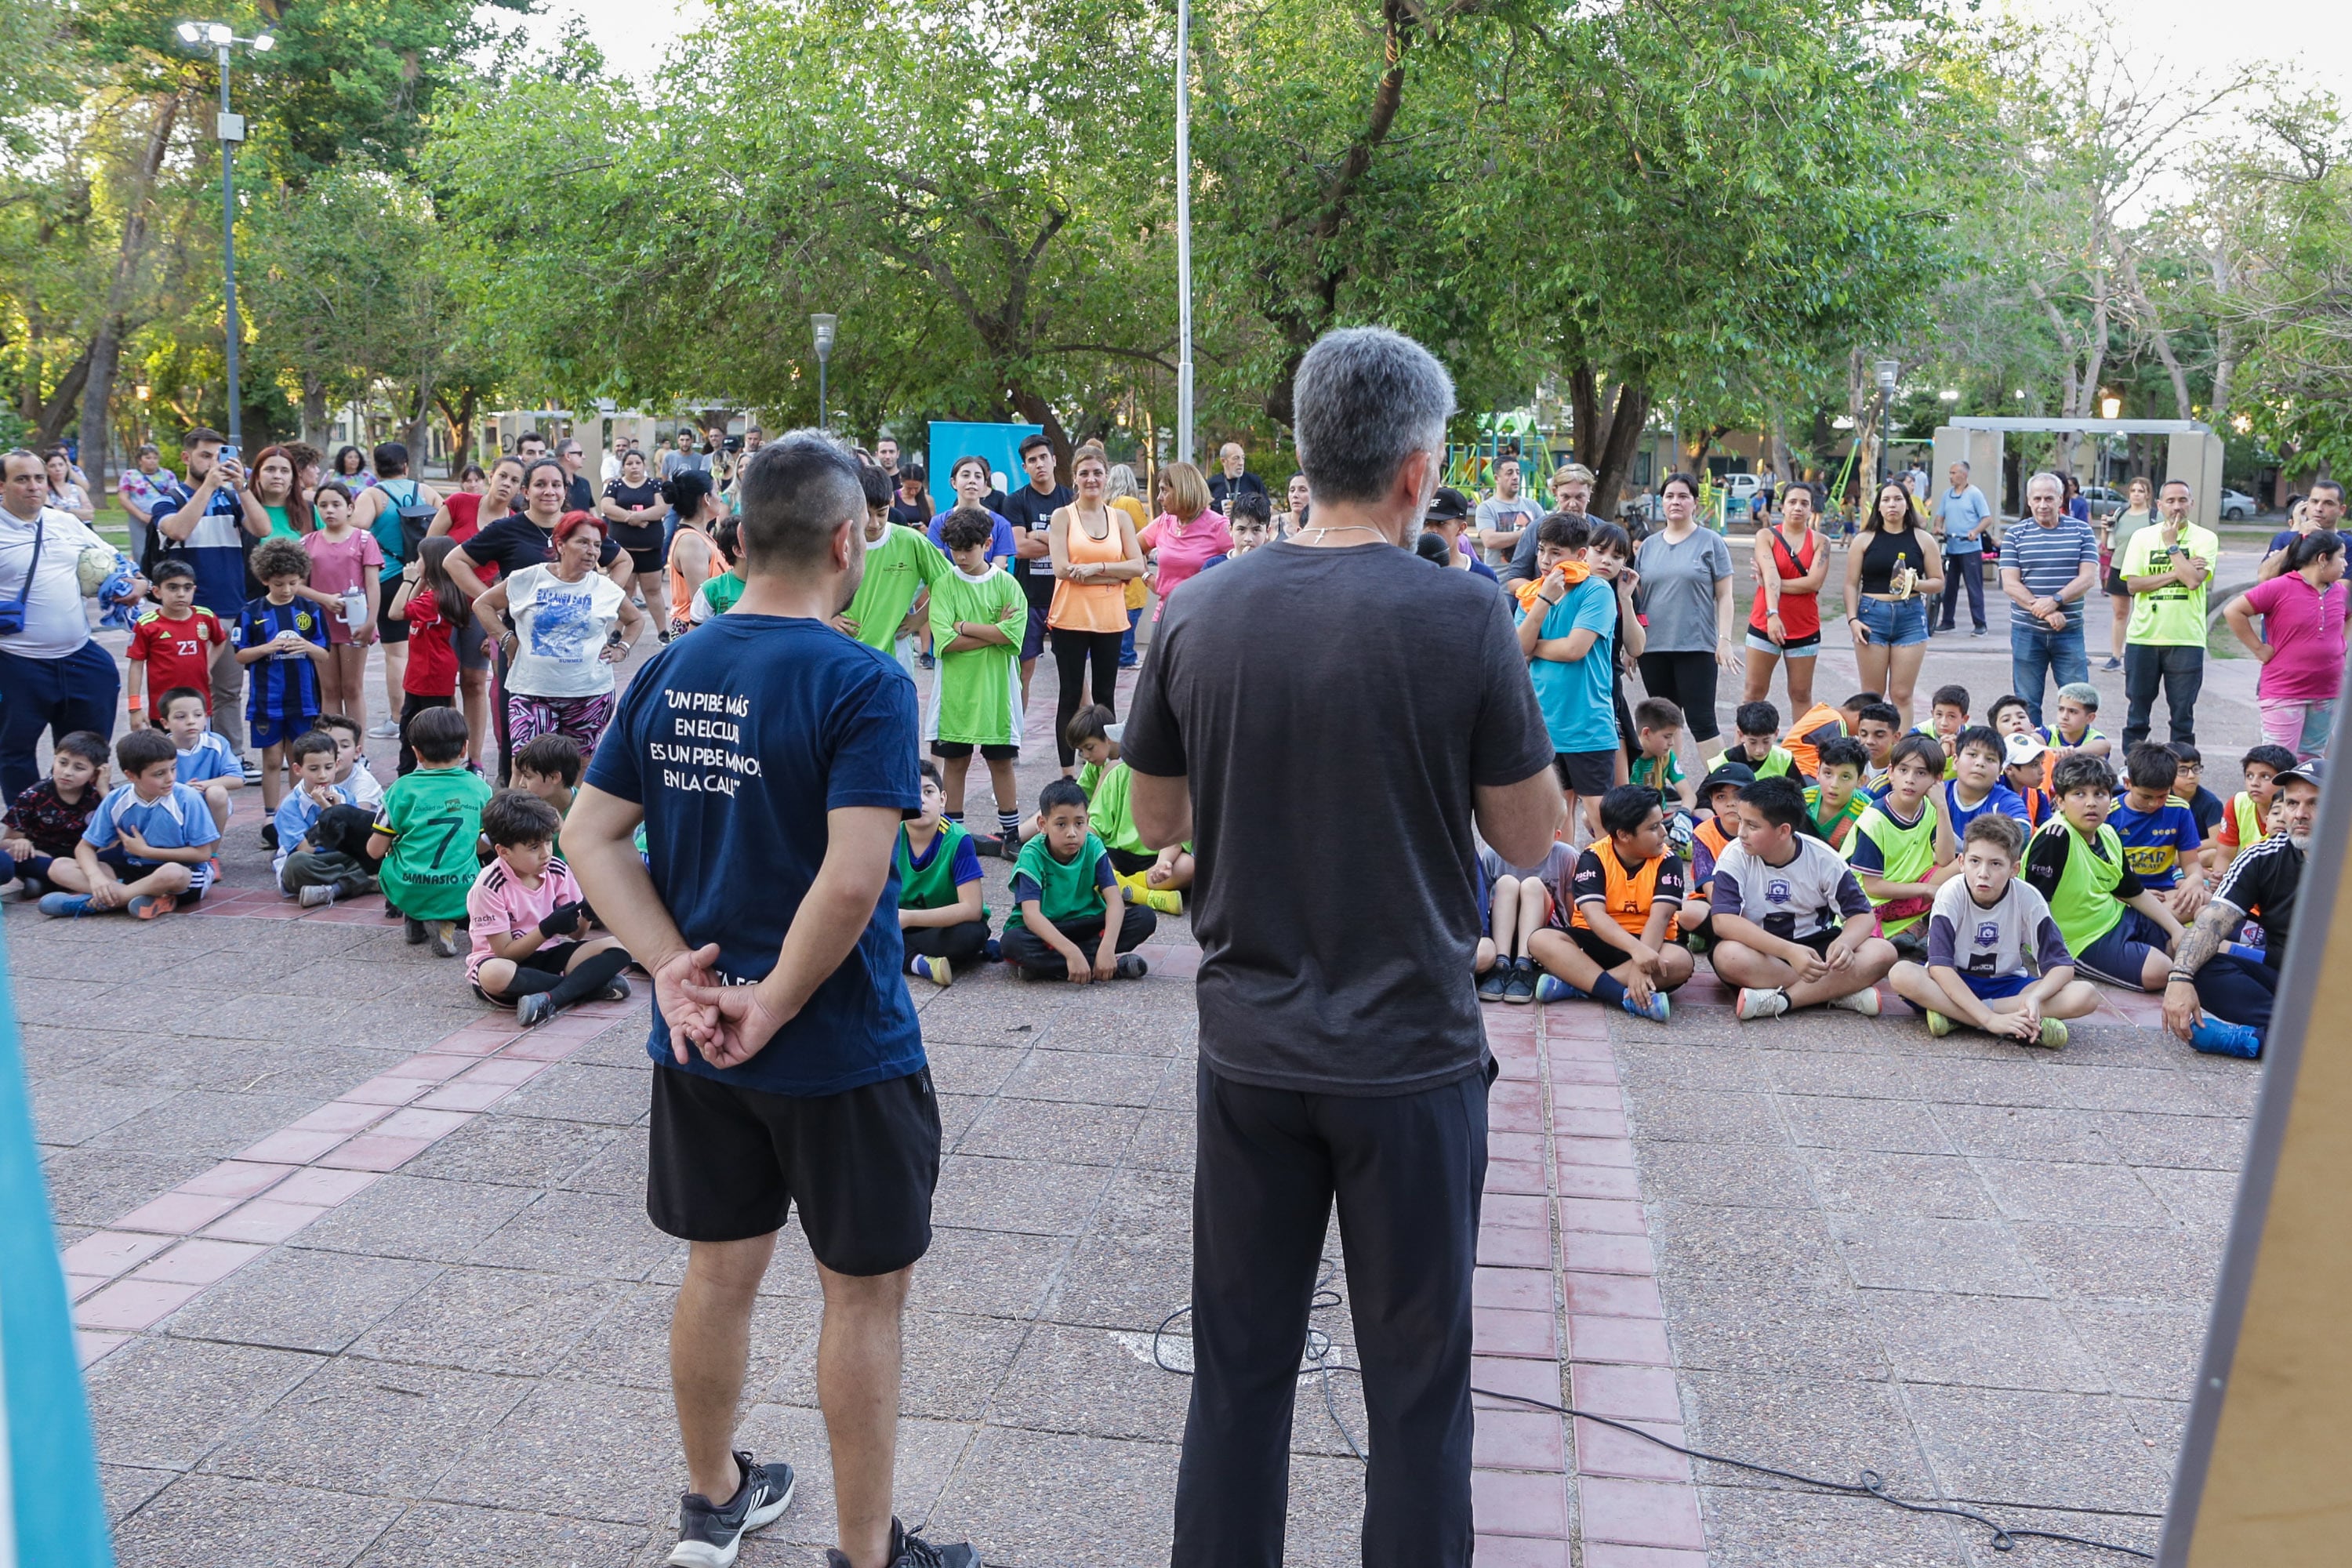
point(1870, 1484)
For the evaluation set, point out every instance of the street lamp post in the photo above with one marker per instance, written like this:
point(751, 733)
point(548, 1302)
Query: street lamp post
point(230, 128)
point(824, 326)
point(1183, 231)
point(1887, 370)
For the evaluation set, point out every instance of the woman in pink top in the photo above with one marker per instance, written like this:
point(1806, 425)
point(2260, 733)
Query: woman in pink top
point(1185, 534)
point(2302, 643)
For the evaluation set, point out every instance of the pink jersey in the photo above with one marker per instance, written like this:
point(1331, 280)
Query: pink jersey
point(499, 905)
point(339, 564)
point(1180, 550)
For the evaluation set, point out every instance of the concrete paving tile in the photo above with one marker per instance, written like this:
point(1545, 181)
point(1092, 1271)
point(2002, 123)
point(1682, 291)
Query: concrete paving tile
point(1984, 1341)
point(1731, 1326)
point(1040, 1196)
point(166, 1402)
point(236, 1179)
point(1094, 1078)
point(199, 1262)
point(302, 1300)
point(1092, 1021)
point(2160, 1422)
point(126, 1486)
point(1765, 1525)
point(1761, 1177)
point(1039, 1497)
point(1823, 1122)
point(1837, 1074)
point(2136, 1531)
point(130, 1305)
point(1165, 1140)
point(587, 1450)
point(1982, 1257)
point(960, 1068)
point(1071, 1133)
point(1649, 1066)
point(518, 1151)
point(264, 1220)
point(73, 1110)
point(628, 1341)
point(2202, 1200)
point(1085, 1381)
point(957, 1113)
point(491, 1319)
point(216, 1520)
point(414, 1217)
point(2159, 1267)
point(2056, 1451)
point(618, 1168)
point(1123, 1281)
point(2147, 1351)
point(96, 1186)
point(954, 1365)
point(1702, 1116)
point(2024, 1133)
point(1001, 1014)
point(103, 1254)
point(570, 1091)
point(445, 1535)
point(1940, 1186)
point(593, 1234)
point(1821, 1427)
point(1610, 1450)
point(2187, 1142)
point(1630, 1342)
point(368, 1427)
point(2071, 1194)
point(1701, 1241)
point(994, 1273)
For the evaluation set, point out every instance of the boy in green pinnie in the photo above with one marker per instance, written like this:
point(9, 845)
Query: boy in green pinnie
point(942, 918)
point(901, 564)
point(1063, 892)
point(427, 831)
point(1153, 880)
point(978, 616)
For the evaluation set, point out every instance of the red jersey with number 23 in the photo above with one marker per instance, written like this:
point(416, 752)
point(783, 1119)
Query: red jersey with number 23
point(176, 653)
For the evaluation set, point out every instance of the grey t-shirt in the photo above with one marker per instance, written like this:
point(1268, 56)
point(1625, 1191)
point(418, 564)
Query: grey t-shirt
point(1678, 589)
point(1330, 759)
point(1502, 516)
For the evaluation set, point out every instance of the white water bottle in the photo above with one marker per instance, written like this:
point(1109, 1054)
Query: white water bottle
point(355, 610)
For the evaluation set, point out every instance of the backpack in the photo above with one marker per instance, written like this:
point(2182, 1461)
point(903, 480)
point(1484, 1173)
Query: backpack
point(400, 527)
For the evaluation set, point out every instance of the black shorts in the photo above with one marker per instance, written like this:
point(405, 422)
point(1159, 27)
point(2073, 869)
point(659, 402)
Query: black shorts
point(1600, 951)
point(1127, 862)
point(730, 1163)
point(1586, 773)
point(388, 630)
point(1820, 940)
point(952, 750)
point(543, 960)
point(1032, 636)
point(646, 564)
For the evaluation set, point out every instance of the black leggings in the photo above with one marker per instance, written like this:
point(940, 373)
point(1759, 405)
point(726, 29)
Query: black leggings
point(961, 944)
point(583, 984)
point(1686, 681)
point(1071, 651)
point(412, 703)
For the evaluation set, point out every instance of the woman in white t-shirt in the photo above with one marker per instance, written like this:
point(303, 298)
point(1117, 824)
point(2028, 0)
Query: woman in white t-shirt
point(564, 646)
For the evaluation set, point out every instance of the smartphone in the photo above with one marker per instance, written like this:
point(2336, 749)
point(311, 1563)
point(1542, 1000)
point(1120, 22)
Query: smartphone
point(230, 453)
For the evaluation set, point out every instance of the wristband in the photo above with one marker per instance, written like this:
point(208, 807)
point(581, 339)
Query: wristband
point(2180, 977)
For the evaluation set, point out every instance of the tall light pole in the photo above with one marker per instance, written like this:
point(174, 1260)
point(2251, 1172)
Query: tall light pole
point(230, 128)
point(824, 326)
point(1887, 370)
point(1183, 231)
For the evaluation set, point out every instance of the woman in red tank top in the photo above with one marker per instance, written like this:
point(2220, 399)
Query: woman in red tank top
point(1793, 560)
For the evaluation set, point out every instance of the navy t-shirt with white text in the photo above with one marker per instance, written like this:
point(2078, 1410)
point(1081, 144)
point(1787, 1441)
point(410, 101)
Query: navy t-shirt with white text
point(737, 742)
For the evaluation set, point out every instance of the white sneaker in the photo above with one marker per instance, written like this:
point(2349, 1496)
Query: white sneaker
point(1755, 1004)
point(1865, 1002)
point(385, 728)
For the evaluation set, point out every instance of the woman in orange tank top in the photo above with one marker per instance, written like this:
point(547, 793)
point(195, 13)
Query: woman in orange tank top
point(1094, 553)
point(693, 558)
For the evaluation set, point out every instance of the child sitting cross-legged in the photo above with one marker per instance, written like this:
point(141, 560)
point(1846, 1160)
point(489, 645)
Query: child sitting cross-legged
point(1876, 730)
point(46, 822)
point(1792, 923)
point(2161, 843)
point(1619, 946)
point(148, 847)
point(206, 763)
point(1836, 802)
point(2245, 821)
point(549, 766)
point(2118, 930)
point(532, 943)
point(940, 916)
point(1715, 833)
point(1893, 849)
point(308, 866)
point(1973, 786)
point(1948, 715)
point(1995, 959)
point(1156, 880)
point(1519, 902)
point(425, 836)
point(2078, 706)
point(1064, 895)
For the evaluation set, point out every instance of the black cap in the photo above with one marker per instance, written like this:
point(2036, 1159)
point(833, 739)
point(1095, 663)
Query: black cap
point(1725, 774)
point(1448, 505)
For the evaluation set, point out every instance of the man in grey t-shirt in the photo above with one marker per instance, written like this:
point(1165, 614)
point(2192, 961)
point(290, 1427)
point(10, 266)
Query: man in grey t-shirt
point(1340, 1056)
point(1961, 514)
point(1503, 516)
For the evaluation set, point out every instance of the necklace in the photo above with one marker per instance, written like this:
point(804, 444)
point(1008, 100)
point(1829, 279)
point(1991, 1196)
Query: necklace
point(1340, 528)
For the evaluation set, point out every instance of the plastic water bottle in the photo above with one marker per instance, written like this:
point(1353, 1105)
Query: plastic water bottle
point(355, 610)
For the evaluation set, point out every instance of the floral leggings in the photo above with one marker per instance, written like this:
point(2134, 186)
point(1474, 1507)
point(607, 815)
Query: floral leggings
point(581, 718)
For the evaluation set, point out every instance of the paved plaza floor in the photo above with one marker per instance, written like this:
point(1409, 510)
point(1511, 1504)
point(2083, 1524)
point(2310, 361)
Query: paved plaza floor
point(365, 1278)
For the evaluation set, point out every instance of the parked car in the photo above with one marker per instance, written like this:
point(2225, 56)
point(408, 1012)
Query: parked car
point(1741, 487)
point(2237, 505)
point(2105, 503)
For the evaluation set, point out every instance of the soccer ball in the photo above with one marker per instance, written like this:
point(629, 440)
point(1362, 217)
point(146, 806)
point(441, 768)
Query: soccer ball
point(96, 565)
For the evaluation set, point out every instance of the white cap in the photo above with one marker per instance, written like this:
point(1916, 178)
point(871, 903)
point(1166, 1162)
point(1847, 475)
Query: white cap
point(2025, 750)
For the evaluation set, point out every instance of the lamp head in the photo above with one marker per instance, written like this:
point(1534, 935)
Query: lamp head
point(823, 325)
point(190, 32)
point(264, 44)
point(1887, 370)
point(218, 33)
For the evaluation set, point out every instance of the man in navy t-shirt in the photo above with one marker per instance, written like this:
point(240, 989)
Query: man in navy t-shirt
point(772, 760)
point(212, 527)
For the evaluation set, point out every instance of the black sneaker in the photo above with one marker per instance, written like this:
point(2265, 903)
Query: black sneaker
point(1491, 983)
point(269, 837)
point(1130, 966)
point(708, 1536)
point(418, 932)
point(988, 845)
point(912, 1552)
point(618, 991)
point(1521, 986)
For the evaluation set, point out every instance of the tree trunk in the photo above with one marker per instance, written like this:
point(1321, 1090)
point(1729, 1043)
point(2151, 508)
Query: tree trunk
point(1606, 433)
point(52, 422)
point(106, 348)
point(314, 411)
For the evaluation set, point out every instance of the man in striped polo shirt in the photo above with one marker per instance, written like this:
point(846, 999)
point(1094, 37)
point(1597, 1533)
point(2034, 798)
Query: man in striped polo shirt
point(2047, 564)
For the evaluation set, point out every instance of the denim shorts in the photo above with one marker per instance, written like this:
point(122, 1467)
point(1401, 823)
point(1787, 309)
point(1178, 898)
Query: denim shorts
point(1894, 624)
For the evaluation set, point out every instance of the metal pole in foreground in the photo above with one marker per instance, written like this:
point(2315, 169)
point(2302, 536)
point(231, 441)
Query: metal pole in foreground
point(232, 132)
point(822, 325)
point(1183, 231)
